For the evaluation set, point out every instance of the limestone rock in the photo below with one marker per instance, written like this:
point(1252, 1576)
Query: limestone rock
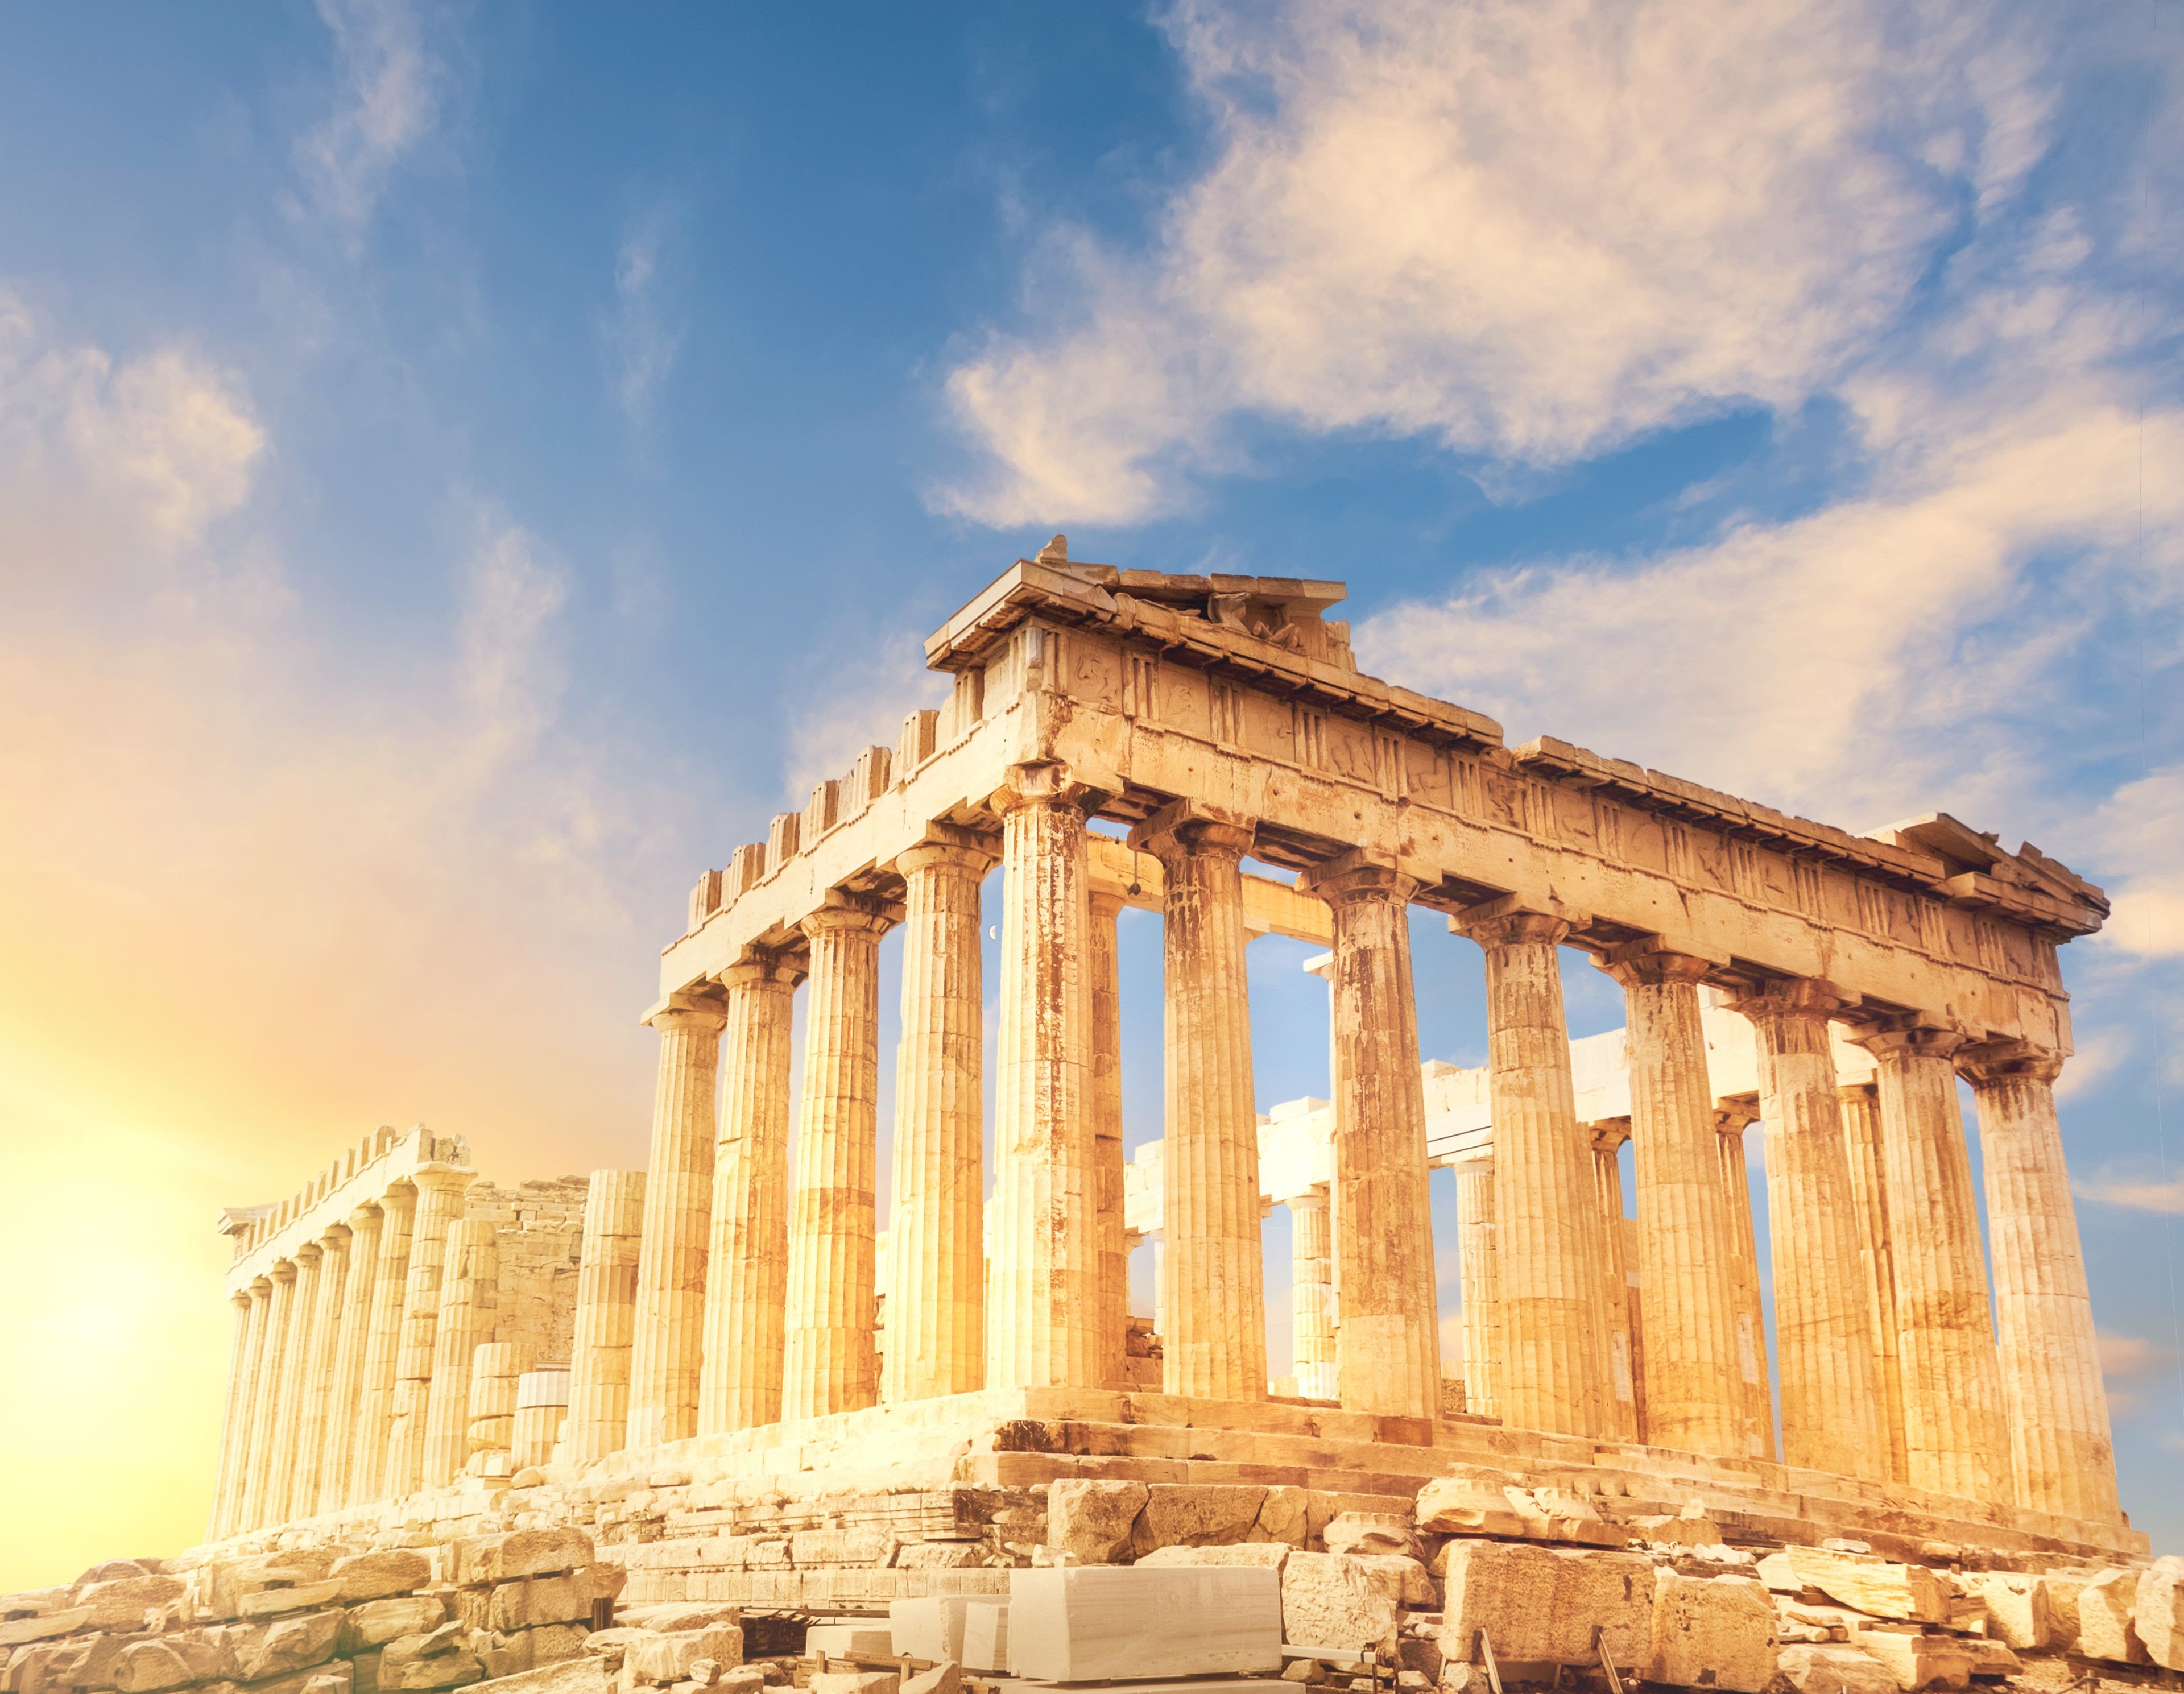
point(1094, 1519)
point(271, 1602)
point(1835, 1670)
point(1715, 1631)
point(567, 1676)
point(523, 1552)
point(854, 1682)
point(1264, 1554)
point(986, 1635)
point(35, 1602)
point(1369, 1532)
point(665, 1657)
point(2158, 1613)
point(944, 1678)
point(18, 1630)
point(286, 1644)
point(122, 1603)
point(1284, 1516)
point(1097, 1623)
point(742, 1679)
point(930, 1627)
point(1466, 1506)
point(2017, 1606)
point(1402, 1576)
point(120, 1569)
point(855, 1641)
point(1988, 1658)
point(1544, 1602)
point(379, 1575)
point(378, 1622)
point(1556, 1514)
point(154, 1666)
point(2106, 1627)
point(1879, 1587)
point(1190, 1514)
point(562, 1599)
point(1917, 1661)
point(686, 1614)
point(1337, 1600)
point(528, 1649)
point(435, 1659)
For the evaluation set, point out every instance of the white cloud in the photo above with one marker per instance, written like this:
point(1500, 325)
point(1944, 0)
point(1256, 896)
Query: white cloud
point(1529, 231)
point(2142, 825)
point(390, 99)
point(2134, 1193)
point(644, 340)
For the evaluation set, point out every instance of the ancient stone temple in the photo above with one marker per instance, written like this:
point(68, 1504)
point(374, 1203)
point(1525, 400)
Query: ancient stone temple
point(750, 1387)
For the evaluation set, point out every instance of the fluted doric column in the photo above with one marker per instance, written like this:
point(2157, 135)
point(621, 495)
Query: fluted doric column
point(1615, 1327)
point(1107, 1140)
point(747, 1274)
point(1755, 1390)
point(1869, 1187)
point(338, 1449)
point(1479, 1274)
point(936, 1304)
point(470, 1307)
point(1555, 1364)
point(1311, 1295)
point(605, 1318)
point(330, 1302)
point(828, 1362)
point(1387, 1338)
point(1215, 1346)
point(1687, 1269)
point(293, 1390)
point(497, 1368)
point(1832, 1410)
point(235, 1425)
point(258, 1508)
point(440, 1191)
point(665, 1355)
point(1043, 1316)
point(2063, 1457)
point(375, 1395)
point(1956, 1435)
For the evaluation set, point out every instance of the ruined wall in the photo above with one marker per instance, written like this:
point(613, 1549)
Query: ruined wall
point(541, 1227)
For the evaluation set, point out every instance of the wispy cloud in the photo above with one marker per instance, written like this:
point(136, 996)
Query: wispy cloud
point(2134, 1194)
point(391, 88)
point(2133, 1369)
point(644, 337)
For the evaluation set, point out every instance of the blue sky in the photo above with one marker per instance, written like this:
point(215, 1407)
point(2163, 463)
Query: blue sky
point(463, 469)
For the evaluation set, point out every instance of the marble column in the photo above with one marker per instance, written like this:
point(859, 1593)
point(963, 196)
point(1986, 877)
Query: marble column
point(1478, 1273)
point(440, 1191)
point(2063, 1457)
point(1556, 1373)
point(470, 1307)
point(1831, 1407)
point(747, 1275)
point(1687, 1295)
point(827, 1345)
point(1869, 1187)
point(338, 1449)
point(605, 1318)
point(293, 1389)
point(1216, 1344)
point(1311, 1298)
point(1387, 1337)
point(666, 1350)
point(257, 1509)
point(1043, 1314)
point(318, 1373)
point(1107, 1140)
point(496, 1369)
point(1755, 1388)
point(936, 1304)
point(235, 1426)
point(375, 1392)
point(1621, 1420)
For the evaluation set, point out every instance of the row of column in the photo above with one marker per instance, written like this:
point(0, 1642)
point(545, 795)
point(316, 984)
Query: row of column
point(754, 1299)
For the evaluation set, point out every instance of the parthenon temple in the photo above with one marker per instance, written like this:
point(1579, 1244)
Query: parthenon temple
point(734, 1342)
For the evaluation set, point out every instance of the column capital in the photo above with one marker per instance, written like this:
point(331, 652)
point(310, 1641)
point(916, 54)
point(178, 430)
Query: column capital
point(1903, 1037)
point(1051, 783)
point(1986, 1064)
point(693, 1008)
point(309, 1254)
point(1813, 998)
point(1188, 827)
point(1863, 1093)
point(764, 967)
point(1508, 920)
point(1107, 904)
point(283, 1270)
point(241, 1298)
point(261, 1287)
point(847, 913)
point(335, 1235)
point(1735, 1113)
point(1607, 1134)
point(1651, 962)
point(1359, 875)
point(441, 1178)
point(371, 1211)
point(947, 848)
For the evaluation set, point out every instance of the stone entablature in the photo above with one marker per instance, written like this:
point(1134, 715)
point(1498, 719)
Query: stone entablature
point(266, 1234)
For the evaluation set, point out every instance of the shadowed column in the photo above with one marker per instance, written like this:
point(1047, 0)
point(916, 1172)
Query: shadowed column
point(1215, 1344)
point(1615, 1329)
point(936, 1304)
point(1044, 1315)
point(337, 1450)
point(746, 1271)
point(296, 1358)
point(265, 1408)
point(1755, 1390)
point(1479, 1271)
point(1555, 1367)
point(1831, 1408)
point(1687, 1295)
point(235, 1429)
point(1311, 1298)
point(375, 1398)
point(331, 1301)
point(665, 1356)
point(606, 1314)
point(829, 1363)
point(469, 1300)
point(1387, 1341)
point(2063, 1459)
point(1869, 1187)
point(1107, 1140)
point(440, 1191)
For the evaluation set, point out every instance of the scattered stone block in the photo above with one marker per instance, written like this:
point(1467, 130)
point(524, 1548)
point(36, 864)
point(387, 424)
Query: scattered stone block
point(378, 1622)
point(944, 1678)
point(742, 1679)
point(930, 1627)
point(1190, 1514)
point(2017, 1608)
point(1543, 1603)
point(1369, 1532)
point(986, 1637)
point(1879, 1587)
point(286, 1644)
point(856, 1641)
point(153, 1667)
point(1337, 1600)
point(1284, 1516)
point(16, 1631)
point(578, 1675)
point(381, 1575)
point(1715, 1631)
point(1255, 1554)
point(271, 1602)
point(120, 1569)
point(440, 1658)
point(687, 1614)
point(1466, 1506)
point(2158, 1612)
point(525, 1649)
point(122, 1603)
point(1556, 1514)
point(529, 1603)
point(665, 1656)
point(35, 1602)
point(1094, 1519)
point(1989, 1658)
point(854, 1682)
point(522, 1552)
point(1098, 1623)
point(2106, 1628)
point(1834, 1670)
point(1916, 1662)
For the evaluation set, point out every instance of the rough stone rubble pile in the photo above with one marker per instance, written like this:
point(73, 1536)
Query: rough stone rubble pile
point(1091, 1580)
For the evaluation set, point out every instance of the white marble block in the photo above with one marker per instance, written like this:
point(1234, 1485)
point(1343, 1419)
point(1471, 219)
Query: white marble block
point(986, 1637)
point(849, 1641)
point(931, 1627)
point(1094, 1622)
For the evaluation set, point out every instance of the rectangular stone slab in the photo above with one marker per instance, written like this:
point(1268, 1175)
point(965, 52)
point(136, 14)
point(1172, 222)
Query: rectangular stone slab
point(1092, 1623)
